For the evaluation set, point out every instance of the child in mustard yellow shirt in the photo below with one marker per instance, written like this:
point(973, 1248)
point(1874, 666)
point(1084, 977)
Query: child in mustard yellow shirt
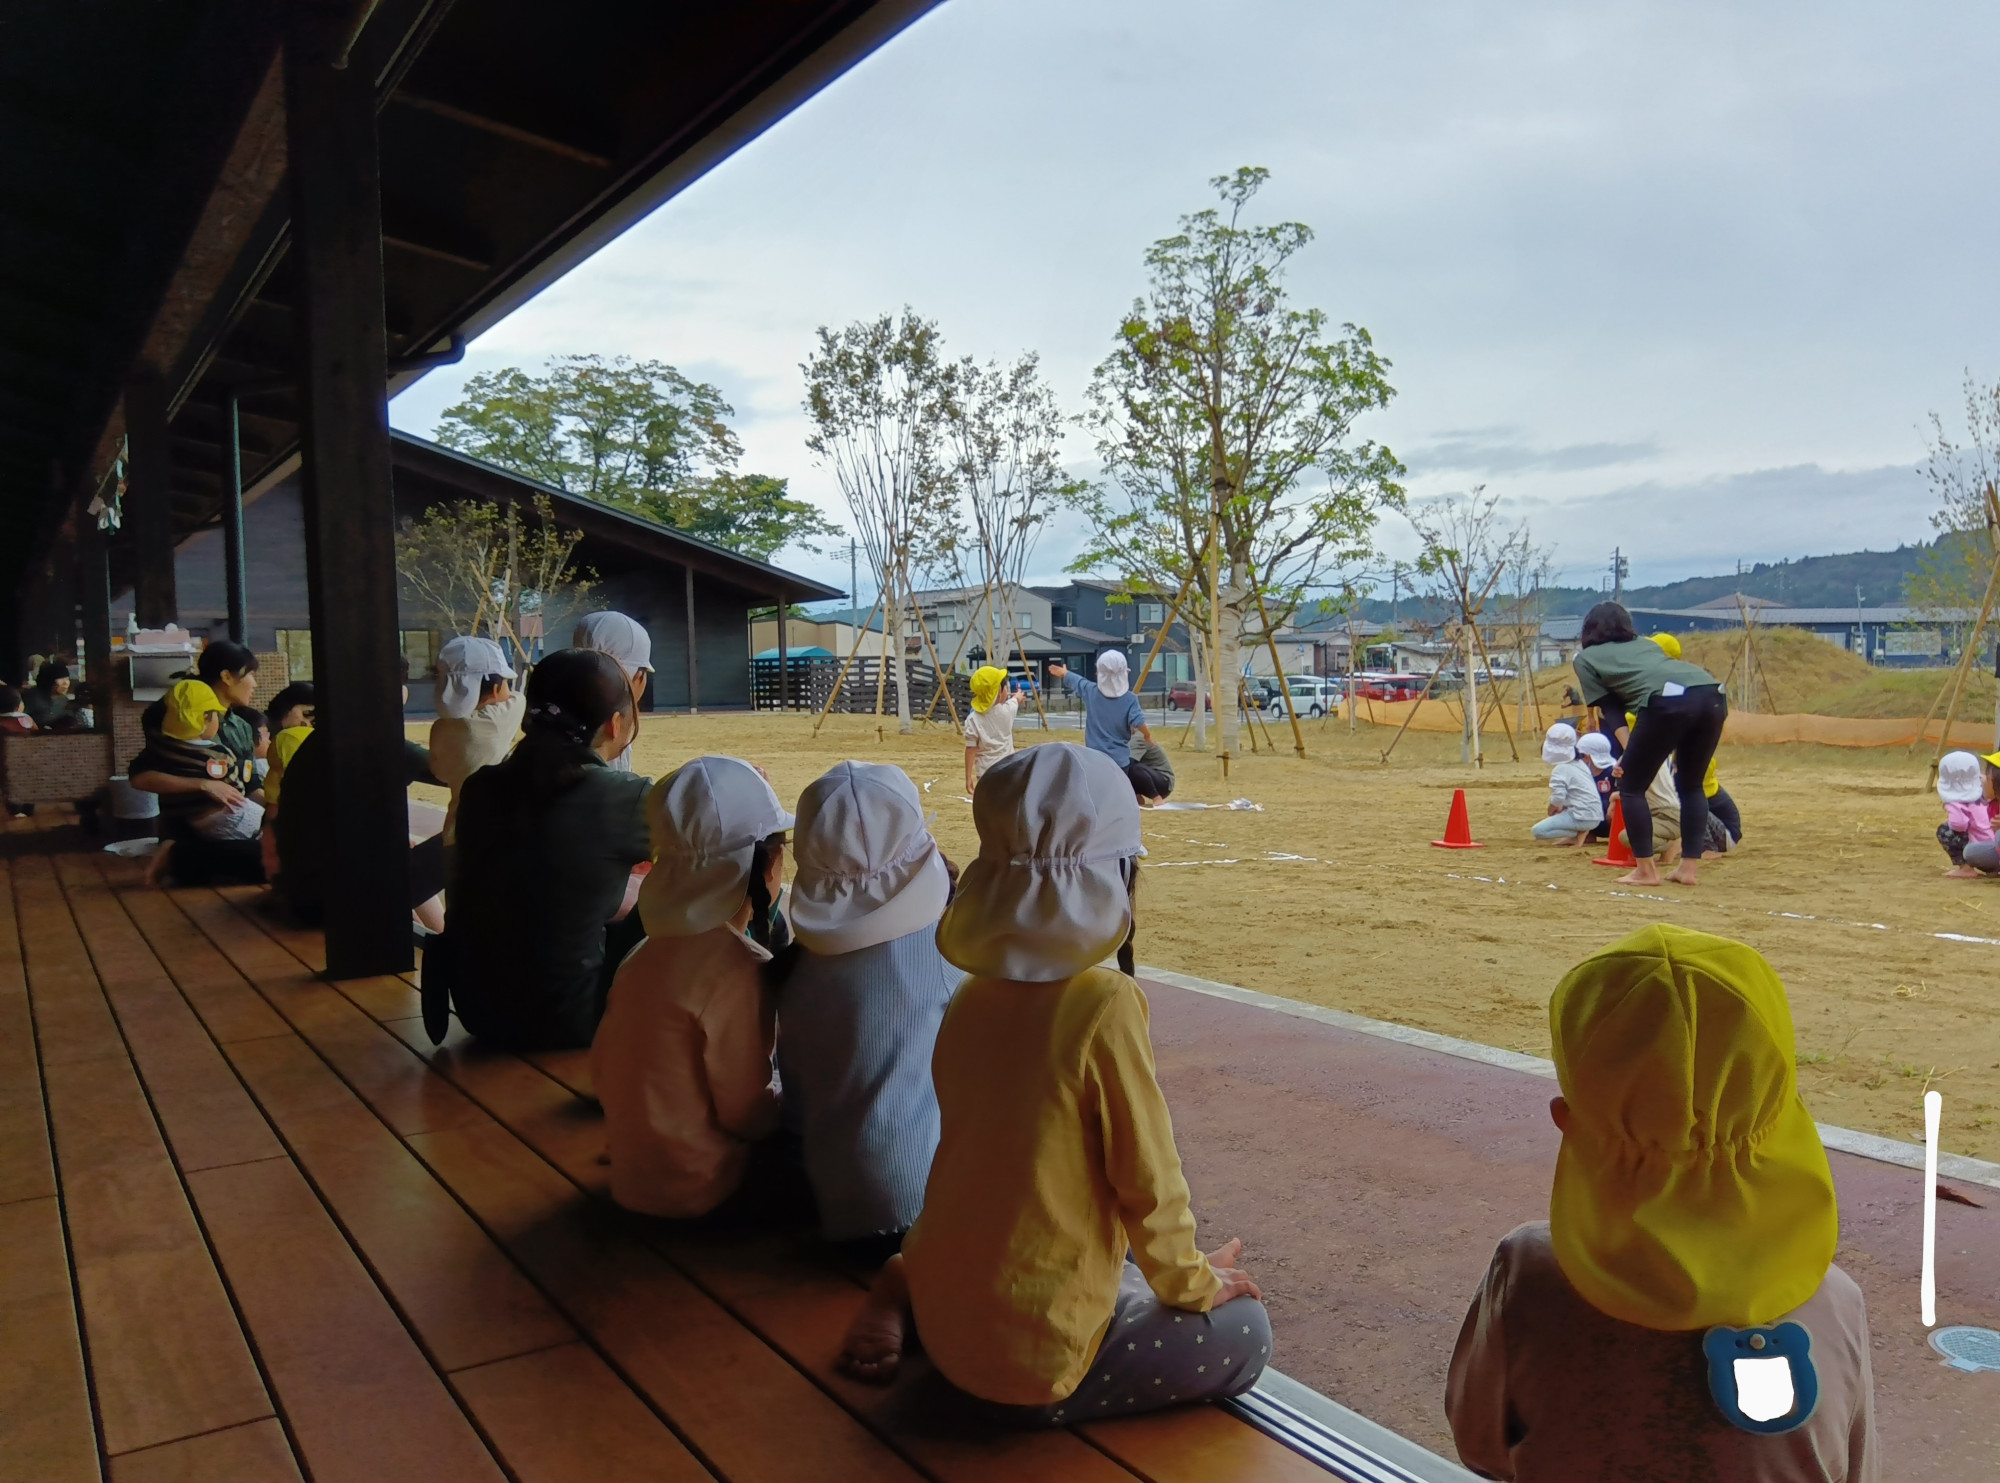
point(1053, 1272)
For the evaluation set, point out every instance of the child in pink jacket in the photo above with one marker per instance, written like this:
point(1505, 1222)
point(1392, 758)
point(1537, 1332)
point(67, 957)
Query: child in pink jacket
point(1962, 785)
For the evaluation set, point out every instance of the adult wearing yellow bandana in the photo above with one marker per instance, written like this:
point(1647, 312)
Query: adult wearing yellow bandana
point(1691, 1191)
point(989, 725)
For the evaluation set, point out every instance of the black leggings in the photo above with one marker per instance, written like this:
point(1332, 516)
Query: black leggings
point(1148, 782)
point(1724, 808)
point(1688, 728)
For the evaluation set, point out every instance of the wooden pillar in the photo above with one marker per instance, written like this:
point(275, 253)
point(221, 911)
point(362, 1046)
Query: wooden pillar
point(94, 593)
point(349, 508)
point(149, 502)
point(694, 673)
point(784, 652)
point(232, 524)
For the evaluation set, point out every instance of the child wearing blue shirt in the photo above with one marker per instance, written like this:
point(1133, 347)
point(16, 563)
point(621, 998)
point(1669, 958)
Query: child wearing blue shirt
point(1112, 715)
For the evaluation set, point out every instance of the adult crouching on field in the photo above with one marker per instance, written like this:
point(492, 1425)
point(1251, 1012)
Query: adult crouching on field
point(1053, 1273)
point(1678, 710)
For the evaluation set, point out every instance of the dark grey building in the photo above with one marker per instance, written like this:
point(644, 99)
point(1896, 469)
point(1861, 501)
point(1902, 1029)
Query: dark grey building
point(1086, 622)
point(694, 598)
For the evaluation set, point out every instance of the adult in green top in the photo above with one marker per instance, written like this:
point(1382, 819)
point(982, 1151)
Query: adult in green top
point(1680, 710)
point(230, 670)
point(537, 920)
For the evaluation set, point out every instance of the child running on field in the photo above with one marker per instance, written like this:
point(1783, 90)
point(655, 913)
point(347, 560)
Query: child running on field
point(1574, 806)
point(1690, 1240)
point(1964, 786)
point(989, 725)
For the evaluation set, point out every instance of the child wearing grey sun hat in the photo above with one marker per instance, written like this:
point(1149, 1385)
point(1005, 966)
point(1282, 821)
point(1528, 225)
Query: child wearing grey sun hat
point(858, 1015)
point(682, 1059)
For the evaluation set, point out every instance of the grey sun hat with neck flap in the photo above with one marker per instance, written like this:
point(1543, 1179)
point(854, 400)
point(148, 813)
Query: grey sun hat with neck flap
point(868, 869)
point(706, 817)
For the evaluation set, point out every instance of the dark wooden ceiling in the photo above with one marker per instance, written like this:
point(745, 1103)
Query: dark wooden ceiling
point(516, 136)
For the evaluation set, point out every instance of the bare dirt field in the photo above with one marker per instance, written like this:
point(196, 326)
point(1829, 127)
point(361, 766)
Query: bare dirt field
point(1333, 895)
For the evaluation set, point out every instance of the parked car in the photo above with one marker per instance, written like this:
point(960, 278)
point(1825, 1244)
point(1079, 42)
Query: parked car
point(1180, 695)
point(1379, 685)
point(1312, 697)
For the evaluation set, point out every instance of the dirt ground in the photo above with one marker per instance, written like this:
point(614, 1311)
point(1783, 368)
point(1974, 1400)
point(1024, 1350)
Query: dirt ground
point(1333, 895)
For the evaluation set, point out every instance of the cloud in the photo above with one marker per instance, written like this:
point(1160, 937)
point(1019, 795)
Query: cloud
point(1491, 451)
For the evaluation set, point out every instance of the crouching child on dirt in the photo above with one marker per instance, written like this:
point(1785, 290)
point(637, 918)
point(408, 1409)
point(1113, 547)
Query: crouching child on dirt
point(1053, 1275)
point(1575, 806)
point(1964, 786)
point(1678, 1316)
point(682, 1059)
point(1593, 749)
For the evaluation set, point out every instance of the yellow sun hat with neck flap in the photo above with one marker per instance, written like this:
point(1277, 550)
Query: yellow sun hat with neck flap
point(986, 683)
point(1692, 1188)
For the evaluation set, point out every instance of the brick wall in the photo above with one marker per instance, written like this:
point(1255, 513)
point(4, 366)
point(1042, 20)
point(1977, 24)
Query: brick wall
point(56, 768)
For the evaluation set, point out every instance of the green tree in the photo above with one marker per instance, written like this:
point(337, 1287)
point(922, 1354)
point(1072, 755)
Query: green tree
point(1952, 574)
point(637, 434)
point(1223, 408)
point(482, 568)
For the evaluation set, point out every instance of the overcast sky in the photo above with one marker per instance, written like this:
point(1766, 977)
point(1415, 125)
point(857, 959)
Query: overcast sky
point(1686, 278)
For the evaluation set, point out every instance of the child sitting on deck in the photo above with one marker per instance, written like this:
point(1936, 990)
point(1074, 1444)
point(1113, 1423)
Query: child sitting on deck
point(1053, 1273)
point(1964, 786)
point(1574, 805)
point(1690, 1239)
point(859, 1011)
point(682, 1059)
point(207, 821)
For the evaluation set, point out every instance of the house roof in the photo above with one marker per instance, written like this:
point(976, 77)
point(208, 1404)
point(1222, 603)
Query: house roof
point(1076, 633)
point(851, 617)
point(931, 595)
point(464, 474)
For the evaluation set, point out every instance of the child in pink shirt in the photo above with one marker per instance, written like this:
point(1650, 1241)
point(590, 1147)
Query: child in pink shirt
point(1963, 786)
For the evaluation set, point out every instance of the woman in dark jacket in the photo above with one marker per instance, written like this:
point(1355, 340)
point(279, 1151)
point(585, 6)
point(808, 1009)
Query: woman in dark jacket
point(50, 705)
point(536, 922)
point(1680, 710)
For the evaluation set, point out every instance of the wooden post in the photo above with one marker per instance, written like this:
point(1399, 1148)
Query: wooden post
point(784, 650)
point(94, 592)
point(350, 515)
point(694, 670)
point(149, 502)
point(840, 680)
point(232, 524)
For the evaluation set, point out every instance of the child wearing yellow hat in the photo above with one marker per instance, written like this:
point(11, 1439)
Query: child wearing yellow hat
point(207, 819)
point(989, 725)
point(1692, 1216)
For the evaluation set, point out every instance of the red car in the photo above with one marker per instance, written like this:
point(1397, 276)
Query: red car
point(1180, 696)
point(1374, 685)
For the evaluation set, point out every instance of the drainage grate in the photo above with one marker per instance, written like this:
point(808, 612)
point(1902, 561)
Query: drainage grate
point(1966, 1348)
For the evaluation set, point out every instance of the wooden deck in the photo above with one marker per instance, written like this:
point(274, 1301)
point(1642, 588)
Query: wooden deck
point(254, 1227)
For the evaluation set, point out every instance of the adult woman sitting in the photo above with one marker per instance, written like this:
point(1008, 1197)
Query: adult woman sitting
point(546, 844)
point(49, 704)
point(230, 670)
point(626, 642)
point(1678, 710)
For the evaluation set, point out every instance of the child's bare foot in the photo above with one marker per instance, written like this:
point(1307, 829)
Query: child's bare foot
point(1961, 873)
point(873, 1349)
point(1687, 874)
point(156, 867)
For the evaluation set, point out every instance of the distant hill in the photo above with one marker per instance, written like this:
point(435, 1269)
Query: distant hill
point(1809, 582)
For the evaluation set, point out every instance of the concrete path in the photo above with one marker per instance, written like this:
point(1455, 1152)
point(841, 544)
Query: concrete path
point(1371, 1179)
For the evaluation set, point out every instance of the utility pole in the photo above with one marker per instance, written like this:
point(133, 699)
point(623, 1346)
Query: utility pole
point(853, 577)
point(1860, 628)
point(1620, 570)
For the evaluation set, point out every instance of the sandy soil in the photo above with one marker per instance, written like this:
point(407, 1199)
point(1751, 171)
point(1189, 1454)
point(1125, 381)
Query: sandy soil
point(1334, 896)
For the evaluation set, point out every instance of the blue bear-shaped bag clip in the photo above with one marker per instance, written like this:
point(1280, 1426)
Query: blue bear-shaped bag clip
point(1725, 1348)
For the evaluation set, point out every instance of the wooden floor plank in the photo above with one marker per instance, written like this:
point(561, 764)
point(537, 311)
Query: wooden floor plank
point(257, 1453)
point(27, 1168)
point(168, 1359)
point(380, 999)
point(46, 1433)
point(379, 1066)
point(570, 1067)
point(228, 1006)
point(749, 1413)
point(362, 1401)
point(209, 1118)
point(562, 1416)
point(466, 1300)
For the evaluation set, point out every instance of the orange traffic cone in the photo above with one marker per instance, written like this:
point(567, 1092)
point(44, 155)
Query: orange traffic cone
point(1620, 853)
point(1458, 826)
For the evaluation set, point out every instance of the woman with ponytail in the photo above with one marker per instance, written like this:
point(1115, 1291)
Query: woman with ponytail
point(547, 841)
point(682, 1063)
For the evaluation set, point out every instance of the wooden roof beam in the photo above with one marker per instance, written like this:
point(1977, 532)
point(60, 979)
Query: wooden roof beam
point(513, 133)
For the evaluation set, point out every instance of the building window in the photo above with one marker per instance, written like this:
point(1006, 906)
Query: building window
point(420, 648)
point(1151, 613)
point(950, 623)
point(1176, 666)
point(296, 644)
point(1025, 622)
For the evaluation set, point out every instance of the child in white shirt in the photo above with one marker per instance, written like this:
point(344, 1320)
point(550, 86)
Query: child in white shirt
point(1574, 806)
point(989, 725)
